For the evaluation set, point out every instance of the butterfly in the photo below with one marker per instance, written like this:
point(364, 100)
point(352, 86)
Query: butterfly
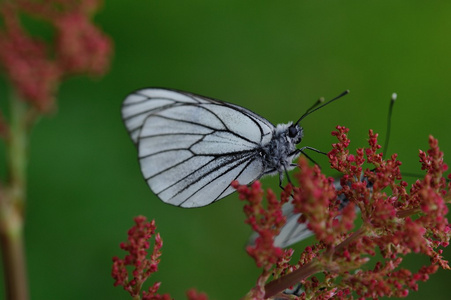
point(191, 147)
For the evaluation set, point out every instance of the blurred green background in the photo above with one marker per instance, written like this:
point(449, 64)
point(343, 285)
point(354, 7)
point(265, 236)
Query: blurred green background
point(274, 58)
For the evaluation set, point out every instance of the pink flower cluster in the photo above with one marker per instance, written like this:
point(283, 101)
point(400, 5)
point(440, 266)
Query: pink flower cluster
point(394, 223)
point(266, 221)
point(137, 246)
point(35, 67)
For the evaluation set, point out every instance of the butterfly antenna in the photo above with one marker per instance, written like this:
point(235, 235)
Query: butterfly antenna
point(315, 106)
point(387, 134)
point(317, 102)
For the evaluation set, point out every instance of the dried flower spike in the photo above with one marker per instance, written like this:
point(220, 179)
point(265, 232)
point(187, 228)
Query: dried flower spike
point(138, 246)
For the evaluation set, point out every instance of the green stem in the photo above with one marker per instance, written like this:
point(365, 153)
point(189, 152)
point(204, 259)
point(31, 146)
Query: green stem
point(12, 203)
point(17, 151)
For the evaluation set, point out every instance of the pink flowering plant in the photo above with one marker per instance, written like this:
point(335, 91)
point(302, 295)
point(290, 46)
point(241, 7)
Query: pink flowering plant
point(137, 246)
point(394, 223)
point(34, 68)
point(139, 264)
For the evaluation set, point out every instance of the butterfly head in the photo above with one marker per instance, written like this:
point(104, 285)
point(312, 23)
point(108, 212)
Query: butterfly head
point(295, 133)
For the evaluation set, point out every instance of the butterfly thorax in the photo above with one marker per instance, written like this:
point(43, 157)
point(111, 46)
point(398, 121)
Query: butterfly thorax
point(279, 153)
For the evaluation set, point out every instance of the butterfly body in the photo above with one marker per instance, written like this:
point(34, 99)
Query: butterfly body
point(279, 153)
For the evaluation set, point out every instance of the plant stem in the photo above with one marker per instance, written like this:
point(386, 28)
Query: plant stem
point(14, 264)
point(276, 286)
point(12, 202)
point(354, 236)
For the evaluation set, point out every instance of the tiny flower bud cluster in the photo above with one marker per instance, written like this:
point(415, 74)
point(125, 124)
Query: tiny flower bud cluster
point(137, 246)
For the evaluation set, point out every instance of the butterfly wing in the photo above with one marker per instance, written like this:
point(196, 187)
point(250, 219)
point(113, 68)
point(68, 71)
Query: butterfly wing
point(191, 147)
point(293, 231)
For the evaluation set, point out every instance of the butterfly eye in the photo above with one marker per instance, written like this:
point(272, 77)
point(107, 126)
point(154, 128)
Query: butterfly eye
point(292, 131)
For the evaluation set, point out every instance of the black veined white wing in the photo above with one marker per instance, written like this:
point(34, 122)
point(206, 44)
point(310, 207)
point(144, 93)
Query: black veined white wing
point(192, 147)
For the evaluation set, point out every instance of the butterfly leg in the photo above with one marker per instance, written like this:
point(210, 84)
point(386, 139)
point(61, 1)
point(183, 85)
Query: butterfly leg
point(281, 178)
point(288, 179)
point(308, 157)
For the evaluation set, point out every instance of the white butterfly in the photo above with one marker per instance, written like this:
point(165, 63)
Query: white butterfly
point(191, 147)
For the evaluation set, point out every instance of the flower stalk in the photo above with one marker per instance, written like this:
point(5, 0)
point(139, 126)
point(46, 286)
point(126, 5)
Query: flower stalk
point(12, 202)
